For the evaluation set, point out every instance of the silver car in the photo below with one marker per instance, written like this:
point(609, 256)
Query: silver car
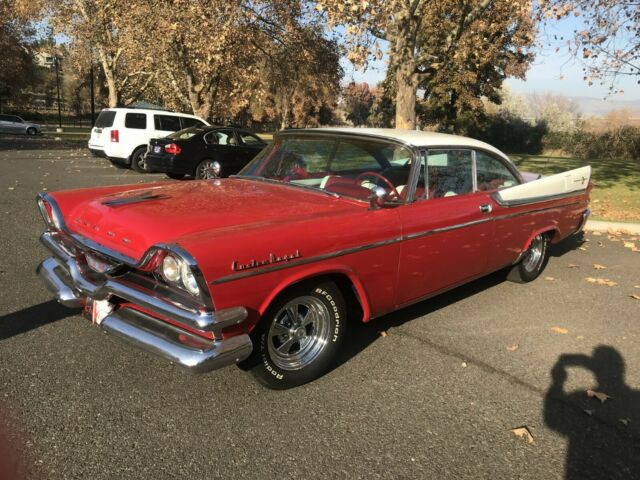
point(15, 124)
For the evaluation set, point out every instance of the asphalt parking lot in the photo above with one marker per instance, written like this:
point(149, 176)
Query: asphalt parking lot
point(432, 391)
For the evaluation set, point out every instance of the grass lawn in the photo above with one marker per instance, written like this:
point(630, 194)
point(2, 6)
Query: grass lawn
point(616, 192)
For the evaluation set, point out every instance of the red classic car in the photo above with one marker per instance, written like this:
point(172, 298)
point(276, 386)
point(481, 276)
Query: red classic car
point(323, 228)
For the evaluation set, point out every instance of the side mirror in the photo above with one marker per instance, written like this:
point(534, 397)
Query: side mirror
point(377, 198)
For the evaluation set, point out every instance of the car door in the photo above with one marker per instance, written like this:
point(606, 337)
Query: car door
point(447, 231)
point(513, 226)
point(222, 146)
point(250, 145)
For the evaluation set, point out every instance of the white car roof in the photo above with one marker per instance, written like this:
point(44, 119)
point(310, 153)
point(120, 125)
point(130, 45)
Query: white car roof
point(151, 110)
point(416, 138)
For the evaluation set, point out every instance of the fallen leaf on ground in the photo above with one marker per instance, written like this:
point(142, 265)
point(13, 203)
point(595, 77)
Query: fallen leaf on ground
point(572, 265)
point(523, 432)
point(383, 334)
point(596, 234)
point(613, 239)
point(589, 412)
point(635, 286)
point(603, 397)
point(601, 281)
point(551, 279)
point(597, 266)
point(561, 330)
point(580, 337)
point(464, 364)
point(630, 245)
point(612, 231)
point(624, 421)
point(582, 248)
point(513, 348)
point(635, 297)
point(600, 244)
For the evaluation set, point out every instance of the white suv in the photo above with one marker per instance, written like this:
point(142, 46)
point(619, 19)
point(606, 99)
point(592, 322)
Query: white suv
point(122, 134)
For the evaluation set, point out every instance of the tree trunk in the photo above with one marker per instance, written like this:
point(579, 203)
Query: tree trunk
point(113, 91)
point(407, 84)
point(284, 112)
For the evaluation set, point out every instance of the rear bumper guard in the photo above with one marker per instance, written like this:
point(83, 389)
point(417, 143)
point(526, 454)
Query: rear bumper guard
point(583, 220)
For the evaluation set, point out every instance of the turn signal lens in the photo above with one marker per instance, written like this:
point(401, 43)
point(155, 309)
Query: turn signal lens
point(171, 268)
point(173, 149)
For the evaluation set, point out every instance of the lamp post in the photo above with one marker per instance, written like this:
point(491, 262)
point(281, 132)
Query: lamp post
point(56, 61)
point(93, 102)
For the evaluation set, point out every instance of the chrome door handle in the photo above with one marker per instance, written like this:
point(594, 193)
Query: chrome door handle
point(485, 208)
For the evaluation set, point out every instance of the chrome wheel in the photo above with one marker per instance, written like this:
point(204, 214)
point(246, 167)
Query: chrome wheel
point(208, 169)
point(535, 252)
point(299, 333)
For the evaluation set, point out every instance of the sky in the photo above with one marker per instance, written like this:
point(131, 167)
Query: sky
point(551, 71)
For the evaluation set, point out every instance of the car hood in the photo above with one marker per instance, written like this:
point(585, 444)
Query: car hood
point(132, 220)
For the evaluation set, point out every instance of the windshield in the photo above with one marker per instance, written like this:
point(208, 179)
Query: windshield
point(186, 133)
point(343, 166)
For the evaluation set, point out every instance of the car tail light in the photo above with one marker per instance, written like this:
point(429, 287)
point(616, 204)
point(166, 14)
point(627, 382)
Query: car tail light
point(173, 149)
point(115, 136)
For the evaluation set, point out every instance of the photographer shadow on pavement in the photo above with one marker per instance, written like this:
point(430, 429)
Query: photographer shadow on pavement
point(603, 437)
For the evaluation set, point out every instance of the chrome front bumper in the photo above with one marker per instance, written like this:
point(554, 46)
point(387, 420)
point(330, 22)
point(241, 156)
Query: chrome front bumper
point(72, 283)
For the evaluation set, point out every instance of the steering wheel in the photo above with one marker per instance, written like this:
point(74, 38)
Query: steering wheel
point(393, 194)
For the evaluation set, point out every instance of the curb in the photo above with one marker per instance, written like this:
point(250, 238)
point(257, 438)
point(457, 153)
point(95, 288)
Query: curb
point(598, 226)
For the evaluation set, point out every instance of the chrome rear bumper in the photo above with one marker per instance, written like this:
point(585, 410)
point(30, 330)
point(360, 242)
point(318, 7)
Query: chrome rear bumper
point(72, 283)
point(583, 220)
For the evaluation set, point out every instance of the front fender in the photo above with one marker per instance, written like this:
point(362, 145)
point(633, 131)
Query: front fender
point(317, 271)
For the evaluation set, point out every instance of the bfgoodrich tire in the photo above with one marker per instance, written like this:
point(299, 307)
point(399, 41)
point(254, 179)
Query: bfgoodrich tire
point(533, 261)
point(299, 336)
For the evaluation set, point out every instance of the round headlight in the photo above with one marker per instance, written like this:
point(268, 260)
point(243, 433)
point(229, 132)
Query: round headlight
point(188, 280)
point(171, 268)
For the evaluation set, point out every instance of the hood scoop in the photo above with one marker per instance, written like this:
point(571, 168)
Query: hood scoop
point(139, 198)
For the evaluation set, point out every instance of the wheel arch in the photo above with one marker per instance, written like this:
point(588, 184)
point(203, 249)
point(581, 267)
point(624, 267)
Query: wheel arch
point(134, 150)
point(552, 231)
point(346, 280)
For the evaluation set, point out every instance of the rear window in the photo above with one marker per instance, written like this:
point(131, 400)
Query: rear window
point(105, 119)
point(190, 122)
point(136, 120)
point(167, 122)
point(186, 133)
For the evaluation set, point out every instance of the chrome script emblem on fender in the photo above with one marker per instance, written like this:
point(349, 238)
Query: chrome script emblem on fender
point(237, 266)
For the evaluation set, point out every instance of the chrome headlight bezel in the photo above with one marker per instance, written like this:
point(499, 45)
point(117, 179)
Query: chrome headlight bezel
point(179, 269)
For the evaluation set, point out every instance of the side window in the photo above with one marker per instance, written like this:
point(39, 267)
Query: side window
point(167, 123)
point(448, 173)
point(190, 122)
point(4, 118)
point(136, 120)
point(220, 137)
point(492, 174)
point(249, 139)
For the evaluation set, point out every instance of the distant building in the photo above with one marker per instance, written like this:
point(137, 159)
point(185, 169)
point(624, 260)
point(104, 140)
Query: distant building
point(44, 59)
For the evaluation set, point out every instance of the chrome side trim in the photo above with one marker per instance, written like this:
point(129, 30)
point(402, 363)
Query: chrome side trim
point(304, 261)
point(528, 201)
point(174, 344)
point(347, 251)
